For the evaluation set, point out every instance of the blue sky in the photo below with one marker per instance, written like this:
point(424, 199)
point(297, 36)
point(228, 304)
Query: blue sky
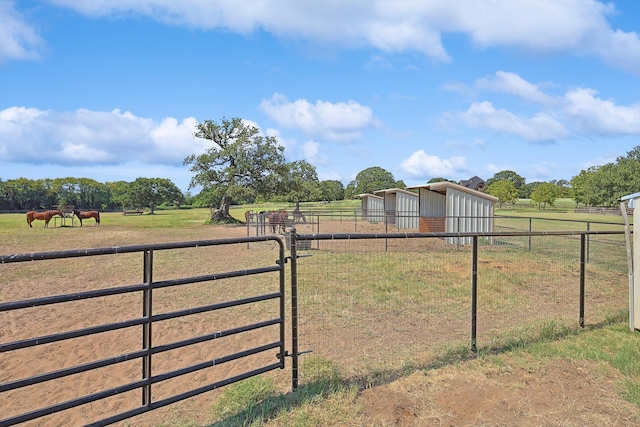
point(113, 90)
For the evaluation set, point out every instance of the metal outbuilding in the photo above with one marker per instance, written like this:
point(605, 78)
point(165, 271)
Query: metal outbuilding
point(400, 208)
point(449, 207)
point(372, 207)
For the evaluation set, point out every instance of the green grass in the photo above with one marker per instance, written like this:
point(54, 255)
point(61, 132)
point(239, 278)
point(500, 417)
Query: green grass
point(330, 399)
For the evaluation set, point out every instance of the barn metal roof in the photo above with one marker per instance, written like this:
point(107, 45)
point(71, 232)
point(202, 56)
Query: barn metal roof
point(396, 190)
point(363, 195)
point(442, 187)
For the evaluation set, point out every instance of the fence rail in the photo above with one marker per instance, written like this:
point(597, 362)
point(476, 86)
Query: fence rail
point(601, 210)
point(372, 303)
point(150, 376)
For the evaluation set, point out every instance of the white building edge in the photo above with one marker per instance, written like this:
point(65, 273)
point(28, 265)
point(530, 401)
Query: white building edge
point(633, 258)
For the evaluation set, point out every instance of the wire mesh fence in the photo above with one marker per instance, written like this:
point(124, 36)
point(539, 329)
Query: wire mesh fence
point(377, 305)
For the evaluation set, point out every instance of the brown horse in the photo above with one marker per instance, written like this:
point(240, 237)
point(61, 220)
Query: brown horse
point(248, 216)
point(278, 220)
point(44, 216)
point(86, 215)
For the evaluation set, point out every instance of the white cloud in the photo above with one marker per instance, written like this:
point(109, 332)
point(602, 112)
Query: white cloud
point(513, 84)
point(590, 114)
point(342, 121)
point(577, 27)
point(18, 39)
point(576, 113)
point(422, 165)
point(85, 137)
point(483, 115)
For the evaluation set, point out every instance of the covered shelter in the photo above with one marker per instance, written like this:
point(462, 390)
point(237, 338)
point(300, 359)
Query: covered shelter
point(451, 208)
point(372, 207)
point(400, 208)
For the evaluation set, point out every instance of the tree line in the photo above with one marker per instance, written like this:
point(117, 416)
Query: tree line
point(24, 194)
point(596, 186)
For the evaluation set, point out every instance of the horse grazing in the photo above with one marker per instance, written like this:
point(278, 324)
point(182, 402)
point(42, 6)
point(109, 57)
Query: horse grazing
point(298, 216)
point(278, 220)
point(44, 216)
point(86, 215)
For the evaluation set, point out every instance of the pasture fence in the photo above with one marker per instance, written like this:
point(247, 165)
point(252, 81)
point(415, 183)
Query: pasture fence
point(376, 304)
point(372, 304)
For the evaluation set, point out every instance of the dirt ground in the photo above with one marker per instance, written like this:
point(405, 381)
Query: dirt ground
point(561, 393)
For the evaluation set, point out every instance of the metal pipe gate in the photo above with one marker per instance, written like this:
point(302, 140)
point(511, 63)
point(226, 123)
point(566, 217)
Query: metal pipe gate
point(148, 378)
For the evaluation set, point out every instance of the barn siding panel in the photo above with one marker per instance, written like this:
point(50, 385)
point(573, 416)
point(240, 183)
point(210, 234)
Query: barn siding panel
point(407, 210)
point(467, 213)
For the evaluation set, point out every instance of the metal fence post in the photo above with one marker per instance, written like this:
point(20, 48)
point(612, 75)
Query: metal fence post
point(294, 312)
point(582, 275)
point(474, 293)
point(588, 240)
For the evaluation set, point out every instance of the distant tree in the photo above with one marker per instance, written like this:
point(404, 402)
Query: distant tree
point(151, 192)
point(29, 194)
point(5, 199)
point(372, 179)
point(604, 185)
point(525, 192)
point(84, 193)
point(517, 180)
point(119, 191)
point(240, 164)
point(504, 190)
point(564, 186)
point(332, 190)
point(208, 197)
point(301, 182)
point(545, 193)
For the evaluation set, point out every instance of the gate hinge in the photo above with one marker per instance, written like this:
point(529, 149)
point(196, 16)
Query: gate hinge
point(300, 353)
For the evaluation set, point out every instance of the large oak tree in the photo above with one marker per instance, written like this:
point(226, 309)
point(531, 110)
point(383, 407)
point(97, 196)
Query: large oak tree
point(240, 164)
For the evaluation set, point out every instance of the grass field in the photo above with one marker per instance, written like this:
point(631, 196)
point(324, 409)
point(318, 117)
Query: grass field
point(389, 329)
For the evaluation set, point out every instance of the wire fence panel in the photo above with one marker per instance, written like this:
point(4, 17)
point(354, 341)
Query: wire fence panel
point(521, 290)
point(378, 304)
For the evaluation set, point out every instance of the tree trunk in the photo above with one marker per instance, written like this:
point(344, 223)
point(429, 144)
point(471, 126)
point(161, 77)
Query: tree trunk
point(222, 213)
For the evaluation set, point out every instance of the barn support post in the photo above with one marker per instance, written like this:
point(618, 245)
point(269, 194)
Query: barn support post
point(474, 294)
point(147, 308)
point(583, 253)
